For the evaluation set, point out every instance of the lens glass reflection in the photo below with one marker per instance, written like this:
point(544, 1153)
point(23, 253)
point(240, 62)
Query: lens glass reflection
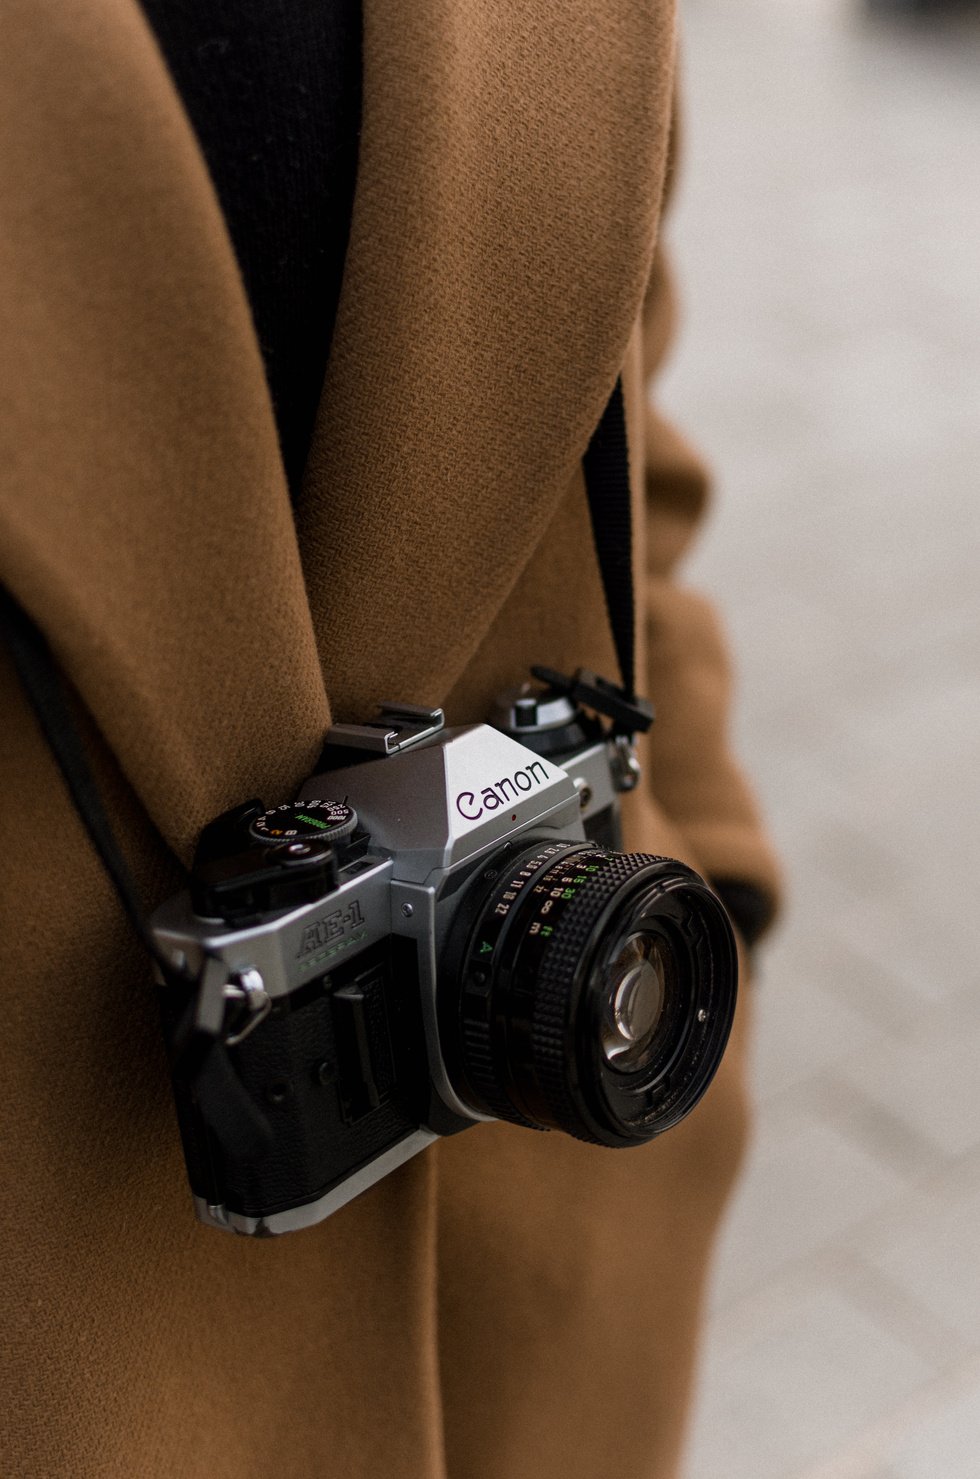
point(635, 990)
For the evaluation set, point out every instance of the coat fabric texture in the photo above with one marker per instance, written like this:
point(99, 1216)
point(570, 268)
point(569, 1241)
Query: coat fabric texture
point(507, 1305)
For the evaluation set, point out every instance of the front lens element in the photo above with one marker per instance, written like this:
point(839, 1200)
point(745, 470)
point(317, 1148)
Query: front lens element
point(636, 988)
point(587, 990)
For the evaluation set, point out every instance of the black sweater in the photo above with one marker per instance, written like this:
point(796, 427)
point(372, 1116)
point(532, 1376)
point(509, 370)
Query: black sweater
point(273, 90)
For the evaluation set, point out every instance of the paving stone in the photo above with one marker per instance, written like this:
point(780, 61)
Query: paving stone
point(802, 1027)
point(806, 1185)
point(944, 1445)
point(930, 1248)
point(813, 1371)
point(929, 1081)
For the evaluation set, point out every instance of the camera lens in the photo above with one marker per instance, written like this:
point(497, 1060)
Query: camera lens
point(587, 990)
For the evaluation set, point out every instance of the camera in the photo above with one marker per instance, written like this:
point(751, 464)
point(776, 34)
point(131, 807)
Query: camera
point(440, 929)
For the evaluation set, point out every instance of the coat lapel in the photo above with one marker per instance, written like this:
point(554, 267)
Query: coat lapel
point(510, 176)
point(144, 515)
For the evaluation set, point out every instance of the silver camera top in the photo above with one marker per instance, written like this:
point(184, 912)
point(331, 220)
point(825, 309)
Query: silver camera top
point(457, 792)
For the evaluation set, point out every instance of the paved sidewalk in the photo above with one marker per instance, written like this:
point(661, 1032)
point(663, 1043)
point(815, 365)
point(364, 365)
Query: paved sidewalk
point(828, 240)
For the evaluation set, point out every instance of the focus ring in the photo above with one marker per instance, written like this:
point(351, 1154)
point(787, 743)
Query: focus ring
point(554, 982)
point(481, 1071)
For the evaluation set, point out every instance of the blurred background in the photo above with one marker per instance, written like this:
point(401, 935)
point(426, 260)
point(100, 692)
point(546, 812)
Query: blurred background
point(827, 236)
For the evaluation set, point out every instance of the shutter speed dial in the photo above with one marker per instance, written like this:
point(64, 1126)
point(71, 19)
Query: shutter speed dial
point(305, 821)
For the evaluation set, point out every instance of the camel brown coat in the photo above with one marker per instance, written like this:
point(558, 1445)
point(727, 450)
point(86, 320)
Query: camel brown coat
point(508, 1305)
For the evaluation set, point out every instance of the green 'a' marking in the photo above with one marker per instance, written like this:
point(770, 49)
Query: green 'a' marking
point(547, 929)
point(485, 947)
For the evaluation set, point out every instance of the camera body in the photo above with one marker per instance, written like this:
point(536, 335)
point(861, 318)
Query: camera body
point(337, 957)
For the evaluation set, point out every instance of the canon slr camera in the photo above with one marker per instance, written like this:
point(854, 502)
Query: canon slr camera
point(440, 929)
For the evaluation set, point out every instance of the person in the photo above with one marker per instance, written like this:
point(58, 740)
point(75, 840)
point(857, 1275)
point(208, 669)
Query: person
point(295, 407)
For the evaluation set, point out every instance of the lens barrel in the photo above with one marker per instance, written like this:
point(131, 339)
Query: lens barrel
point(587, 991)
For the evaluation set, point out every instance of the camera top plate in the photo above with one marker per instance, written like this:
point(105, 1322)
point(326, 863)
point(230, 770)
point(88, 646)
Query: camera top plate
point(462, 790)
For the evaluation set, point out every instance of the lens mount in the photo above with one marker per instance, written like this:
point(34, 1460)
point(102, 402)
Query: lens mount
point(587, 991)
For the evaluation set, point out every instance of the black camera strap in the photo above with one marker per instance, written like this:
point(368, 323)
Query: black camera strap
point(45, 689)
point(241, 1128)
point(607, 484)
